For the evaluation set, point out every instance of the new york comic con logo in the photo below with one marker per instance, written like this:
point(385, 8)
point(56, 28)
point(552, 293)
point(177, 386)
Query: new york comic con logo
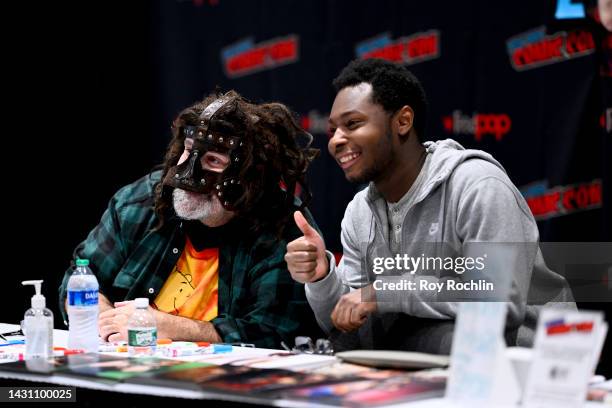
point(535, 48)
point(553, 202)
point(409, 50)
point(245, 57)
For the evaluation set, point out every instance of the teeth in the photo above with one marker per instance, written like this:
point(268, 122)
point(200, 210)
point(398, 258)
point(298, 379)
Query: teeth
point(348, 157)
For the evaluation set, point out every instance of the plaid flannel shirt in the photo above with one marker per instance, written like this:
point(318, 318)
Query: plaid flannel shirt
point(259, 302)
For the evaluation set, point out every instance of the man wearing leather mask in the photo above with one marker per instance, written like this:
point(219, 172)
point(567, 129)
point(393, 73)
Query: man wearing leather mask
point(204, 237)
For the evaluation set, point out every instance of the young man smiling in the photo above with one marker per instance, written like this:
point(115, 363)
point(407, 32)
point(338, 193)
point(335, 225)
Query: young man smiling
point(418, 193)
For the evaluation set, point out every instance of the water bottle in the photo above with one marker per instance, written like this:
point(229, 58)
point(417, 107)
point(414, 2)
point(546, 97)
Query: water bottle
point(142, 330)
point(83, 309)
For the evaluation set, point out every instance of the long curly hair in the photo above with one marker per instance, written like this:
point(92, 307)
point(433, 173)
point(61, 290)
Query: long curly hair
point(275, 161)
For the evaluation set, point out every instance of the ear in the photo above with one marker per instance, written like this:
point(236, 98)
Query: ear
point(405, 119)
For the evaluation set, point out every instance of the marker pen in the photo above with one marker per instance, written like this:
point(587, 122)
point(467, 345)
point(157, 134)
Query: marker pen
point(15, 356)
point(111, 349)
point(183, 352)
point(222, 348)
point(180, 344)
point(194, 351)
point(12, 343)
point(67, 352)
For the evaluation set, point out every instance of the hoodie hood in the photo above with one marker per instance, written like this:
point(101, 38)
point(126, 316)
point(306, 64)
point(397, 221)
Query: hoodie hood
point(447, 154)
point(444, 156)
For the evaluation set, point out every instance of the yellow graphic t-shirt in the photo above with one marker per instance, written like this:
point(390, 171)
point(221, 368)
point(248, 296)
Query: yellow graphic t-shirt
point(191, 289)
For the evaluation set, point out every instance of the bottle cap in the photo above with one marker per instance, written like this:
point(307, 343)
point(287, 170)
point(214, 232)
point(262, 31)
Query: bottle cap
point(38, 300)
point(82, 262)
point(141, 303)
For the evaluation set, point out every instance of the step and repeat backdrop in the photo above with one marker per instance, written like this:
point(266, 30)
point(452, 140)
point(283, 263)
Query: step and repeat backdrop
point(100, 82)
point(504, 77)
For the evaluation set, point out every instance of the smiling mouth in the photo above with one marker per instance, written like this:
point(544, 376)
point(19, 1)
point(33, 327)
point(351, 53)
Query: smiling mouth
point(347, 160)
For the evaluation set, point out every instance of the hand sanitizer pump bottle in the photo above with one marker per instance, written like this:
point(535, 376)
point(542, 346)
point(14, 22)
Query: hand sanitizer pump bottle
point(38, 326)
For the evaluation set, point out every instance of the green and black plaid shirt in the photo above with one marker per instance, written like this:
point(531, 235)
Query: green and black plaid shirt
point(258, 300)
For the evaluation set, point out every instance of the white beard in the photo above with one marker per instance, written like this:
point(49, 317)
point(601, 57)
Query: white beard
point(202, 207)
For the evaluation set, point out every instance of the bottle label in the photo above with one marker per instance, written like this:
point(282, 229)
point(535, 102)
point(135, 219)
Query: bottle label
point(83, 298)
point(142, 337)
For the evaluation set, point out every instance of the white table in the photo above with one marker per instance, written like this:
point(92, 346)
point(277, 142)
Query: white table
point(61, 339)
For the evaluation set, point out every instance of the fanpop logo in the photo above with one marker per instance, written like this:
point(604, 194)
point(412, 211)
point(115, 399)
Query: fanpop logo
point(535, 48)
point(245, 57)
point(479, 124)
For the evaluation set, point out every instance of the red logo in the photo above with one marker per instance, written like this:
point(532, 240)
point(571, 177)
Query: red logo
point(535, 48)
point(479, 124)
point(559, 326)
point(409, 50)
point(562, 200)
point(315, 122)
point(245, 57)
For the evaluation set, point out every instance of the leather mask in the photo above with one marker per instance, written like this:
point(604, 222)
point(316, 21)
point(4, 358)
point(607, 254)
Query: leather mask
point(220, 129)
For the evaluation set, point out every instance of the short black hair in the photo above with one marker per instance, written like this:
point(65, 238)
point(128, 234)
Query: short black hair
point(393, 86)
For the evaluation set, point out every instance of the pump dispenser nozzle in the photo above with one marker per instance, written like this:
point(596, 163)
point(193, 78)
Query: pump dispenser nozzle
point(38, 300)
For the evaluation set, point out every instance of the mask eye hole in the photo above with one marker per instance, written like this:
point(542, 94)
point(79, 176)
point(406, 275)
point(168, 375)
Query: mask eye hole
point(214, 161)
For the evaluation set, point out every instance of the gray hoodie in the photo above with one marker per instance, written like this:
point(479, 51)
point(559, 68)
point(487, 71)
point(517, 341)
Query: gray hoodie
point(461, 196)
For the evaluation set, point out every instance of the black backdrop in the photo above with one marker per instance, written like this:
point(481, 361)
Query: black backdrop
point(95, 85)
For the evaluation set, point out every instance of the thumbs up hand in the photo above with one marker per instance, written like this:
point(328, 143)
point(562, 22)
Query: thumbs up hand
point(305, 257)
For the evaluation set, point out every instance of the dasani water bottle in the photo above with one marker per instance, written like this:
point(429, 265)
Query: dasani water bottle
point(83, 309)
